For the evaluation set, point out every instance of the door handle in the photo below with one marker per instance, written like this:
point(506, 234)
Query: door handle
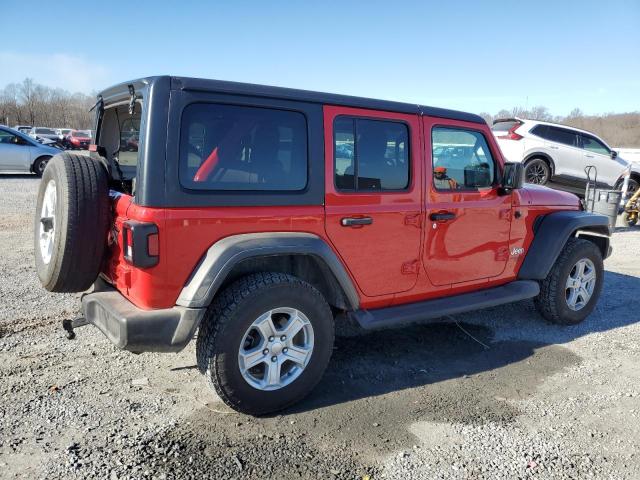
point(555, 148)
point(442, 216)
point(589, 156)
point(355, 221)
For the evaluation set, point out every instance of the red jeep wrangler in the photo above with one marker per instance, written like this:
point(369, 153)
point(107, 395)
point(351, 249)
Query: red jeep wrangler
point(258, 216)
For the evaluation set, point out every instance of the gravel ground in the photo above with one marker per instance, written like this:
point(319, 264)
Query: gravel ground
point(500, 395)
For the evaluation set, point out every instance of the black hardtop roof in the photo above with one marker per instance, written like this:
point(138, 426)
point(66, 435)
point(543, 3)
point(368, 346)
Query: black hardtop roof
point(238, 88)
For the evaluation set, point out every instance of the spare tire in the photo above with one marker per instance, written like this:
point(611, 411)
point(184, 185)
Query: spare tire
point(71, 222)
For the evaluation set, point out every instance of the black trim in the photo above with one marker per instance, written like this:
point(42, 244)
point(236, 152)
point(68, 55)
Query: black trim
point(219, 260)
point(552, 233)
point(140, 232)
point(441, 307)
point(131, 328)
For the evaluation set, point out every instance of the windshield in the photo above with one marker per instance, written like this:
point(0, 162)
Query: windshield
point(45, 131)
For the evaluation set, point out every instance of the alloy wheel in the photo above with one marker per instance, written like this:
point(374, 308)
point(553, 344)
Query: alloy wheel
point(580, 284)
point(276, 348)
point(48, 222)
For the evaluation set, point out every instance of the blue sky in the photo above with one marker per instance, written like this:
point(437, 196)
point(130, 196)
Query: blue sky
point(468, 55)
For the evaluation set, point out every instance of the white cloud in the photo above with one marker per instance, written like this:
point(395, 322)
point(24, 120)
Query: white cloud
point(70, 72)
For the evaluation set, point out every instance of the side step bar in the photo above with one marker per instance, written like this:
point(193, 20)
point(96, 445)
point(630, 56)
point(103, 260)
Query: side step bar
point(440, 307)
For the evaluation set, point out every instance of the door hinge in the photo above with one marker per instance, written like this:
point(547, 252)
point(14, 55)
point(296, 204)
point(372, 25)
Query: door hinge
point(410, 268)
point(415, 220)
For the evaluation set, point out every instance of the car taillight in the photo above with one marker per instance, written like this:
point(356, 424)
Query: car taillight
point(511, 134)
point(140, 243)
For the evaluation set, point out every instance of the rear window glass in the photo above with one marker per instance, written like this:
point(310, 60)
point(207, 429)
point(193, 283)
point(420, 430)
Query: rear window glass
point(231, 147)
point(504, 126)
point(45, 131)
point(81, 134)
point(120, 136)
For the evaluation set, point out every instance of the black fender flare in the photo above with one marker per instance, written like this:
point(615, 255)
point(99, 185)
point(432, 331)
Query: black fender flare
point(545, 156)
point(223, 255)
point(551, 233)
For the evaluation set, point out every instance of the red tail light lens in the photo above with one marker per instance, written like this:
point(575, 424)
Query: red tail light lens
point(140, 244)
point(511, 134)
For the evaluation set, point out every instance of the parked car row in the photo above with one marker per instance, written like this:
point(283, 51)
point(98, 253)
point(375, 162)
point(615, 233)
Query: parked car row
point(557, 155)
point(22, 153)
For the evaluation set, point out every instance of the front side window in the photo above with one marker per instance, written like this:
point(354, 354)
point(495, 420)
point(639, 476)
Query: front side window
point(560, 135)
point(231, 147)
point(461, 159)
point(595, 146)
point(370, 155)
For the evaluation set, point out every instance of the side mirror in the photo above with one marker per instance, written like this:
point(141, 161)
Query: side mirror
point(614, 154)
point(513, 177)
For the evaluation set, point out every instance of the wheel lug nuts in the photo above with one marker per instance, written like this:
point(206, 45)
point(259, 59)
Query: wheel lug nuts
point(265, 351)
point(271, 339)
point(274, 358)
point(285, 350)
point(283, 338)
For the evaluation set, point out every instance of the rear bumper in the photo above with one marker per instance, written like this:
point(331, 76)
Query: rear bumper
point(131, 328)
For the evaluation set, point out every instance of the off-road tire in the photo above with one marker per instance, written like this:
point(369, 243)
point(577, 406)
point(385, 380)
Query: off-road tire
point(81, 222)
point(229, 317)
point(551, 302)
point(542, 165)
point(39, 165)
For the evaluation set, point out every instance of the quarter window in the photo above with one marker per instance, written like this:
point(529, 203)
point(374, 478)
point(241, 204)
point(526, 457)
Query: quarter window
point(370, 155)
point(231, 147)
point(461, 160)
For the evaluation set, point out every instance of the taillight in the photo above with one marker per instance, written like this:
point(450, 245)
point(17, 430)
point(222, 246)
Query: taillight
point(511, 134)
point(140, 243)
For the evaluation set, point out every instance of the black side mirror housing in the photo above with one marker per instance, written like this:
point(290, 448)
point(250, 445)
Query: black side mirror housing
point(614, 154)
point(513, 177)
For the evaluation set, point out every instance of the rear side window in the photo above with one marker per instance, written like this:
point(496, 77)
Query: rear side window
point(560, 135)
point(230, 147)
point(540, 131)
point(370, 155)
point(593, 145)
point(461, 159)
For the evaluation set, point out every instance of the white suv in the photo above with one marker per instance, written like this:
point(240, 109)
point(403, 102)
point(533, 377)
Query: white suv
point(557, 155)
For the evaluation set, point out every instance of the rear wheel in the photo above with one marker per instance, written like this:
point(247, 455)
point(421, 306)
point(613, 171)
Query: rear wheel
point(266, 342)
point(537, 171)
point(71, 222)
point(572, 288)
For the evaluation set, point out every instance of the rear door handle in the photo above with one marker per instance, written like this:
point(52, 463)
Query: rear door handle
point(555, 148)
point(442, 216)
point(355, 221)
point(589, 156)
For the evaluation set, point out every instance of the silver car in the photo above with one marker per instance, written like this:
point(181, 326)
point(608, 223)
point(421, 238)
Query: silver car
point(21, 153)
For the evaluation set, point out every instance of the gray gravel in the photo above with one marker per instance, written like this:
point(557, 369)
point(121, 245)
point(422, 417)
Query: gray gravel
point(421, 402)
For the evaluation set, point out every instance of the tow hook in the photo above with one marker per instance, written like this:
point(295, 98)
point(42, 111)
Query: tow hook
point(69, 325)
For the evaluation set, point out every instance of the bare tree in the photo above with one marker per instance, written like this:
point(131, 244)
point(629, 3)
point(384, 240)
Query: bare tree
point(34, 104)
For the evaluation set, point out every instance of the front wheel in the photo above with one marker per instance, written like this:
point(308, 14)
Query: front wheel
point(572, 288)
point(266, 342)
